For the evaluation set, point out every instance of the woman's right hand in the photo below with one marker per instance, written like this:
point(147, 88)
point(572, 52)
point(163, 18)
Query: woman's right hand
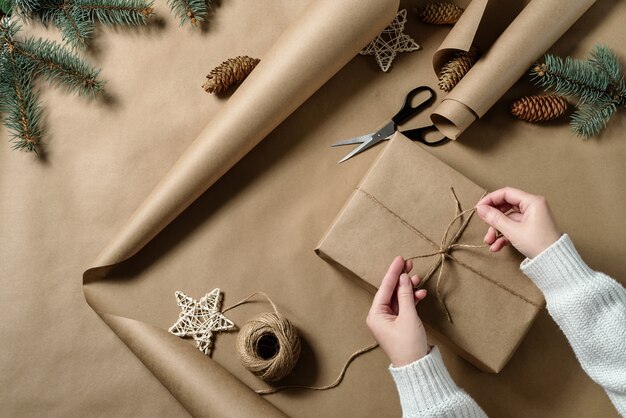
point(524, 220)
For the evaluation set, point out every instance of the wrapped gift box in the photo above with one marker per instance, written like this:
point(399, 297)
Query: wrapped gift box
point(403, 206)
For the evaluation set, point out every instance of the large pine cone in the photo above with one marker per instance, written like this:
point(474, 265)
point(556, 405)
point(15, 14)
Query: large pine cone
point(539, 108)
point(443, 13)
point(230, 72)
point(454, 70)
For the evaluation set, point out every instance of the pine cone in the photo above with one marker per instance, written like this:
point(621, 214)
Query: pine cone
point(439, 13)
point(539, 108)
point(454, 70)
point(230, 72)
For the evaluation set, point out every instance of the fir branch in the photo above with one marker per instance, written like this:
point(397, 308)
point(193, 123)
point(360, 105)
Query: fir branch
point(116, 12)
point(76, 18)
point(18, 101)
point(193, 10)
point(20, 63)
point(55, 63)
point(605, 60)
point(75, 25)
point(571, 77)
point(590, 118)
point(598, 82)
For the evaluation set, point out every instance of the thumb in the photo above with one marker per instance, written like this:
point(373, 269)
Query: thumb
point(406, 301)
point(497, 219)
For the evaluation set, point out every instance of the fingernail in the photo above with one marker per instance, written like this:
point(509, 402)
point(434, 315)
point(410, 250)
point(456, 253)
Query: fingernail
point(481, 210)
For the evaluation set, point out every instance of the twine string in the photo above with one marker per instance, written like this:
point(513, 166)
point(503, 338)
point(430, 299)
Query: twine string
point(335, 383)
point(445, 248)
point(247, 299)
point(288, 348)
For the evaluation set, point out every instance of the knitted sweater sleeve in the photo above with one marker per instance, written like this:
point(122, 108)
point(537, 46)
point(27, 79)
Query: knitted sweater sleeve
point(590, 309)
point(427, 390)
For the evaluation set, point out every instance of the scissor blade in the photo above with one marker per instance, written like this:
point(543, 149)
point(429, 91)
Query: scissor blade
point(356, 140)
point(381, 135)
point(357, 150)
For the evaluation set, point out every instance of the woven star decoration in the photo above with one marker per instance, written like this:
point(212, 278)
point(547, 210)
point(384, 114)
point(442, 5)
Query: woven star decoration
point(391, 41)
point(200, 319)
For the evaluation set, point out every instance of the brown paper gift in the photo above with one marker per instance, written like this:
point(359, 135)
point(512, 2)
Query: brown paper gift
point(403, 206)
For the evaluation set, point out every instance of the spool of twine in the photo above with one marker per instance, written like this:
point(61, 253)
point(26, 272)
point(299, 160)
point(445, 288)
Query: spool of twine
point(269, 346)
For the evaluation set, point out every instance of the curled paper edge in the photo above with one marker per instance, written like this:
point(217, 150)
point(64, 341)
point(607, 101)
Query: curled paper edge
point(539, 25)
point(321, 41)
point(462, 34)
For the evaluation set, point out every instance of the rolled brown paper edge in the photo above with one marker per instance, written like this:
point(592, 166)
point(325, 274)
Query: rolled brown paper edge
point(202, 386)
point(452, 118)
point(462, 34)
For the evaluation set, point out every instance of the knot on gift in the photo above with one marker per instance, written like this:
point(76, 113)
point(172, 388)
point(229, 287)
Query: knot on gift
point(446, 246)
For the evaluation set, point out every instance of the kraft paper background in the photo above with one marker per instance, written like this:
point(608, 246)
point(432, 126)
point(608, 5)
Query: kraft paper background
point(256, 228)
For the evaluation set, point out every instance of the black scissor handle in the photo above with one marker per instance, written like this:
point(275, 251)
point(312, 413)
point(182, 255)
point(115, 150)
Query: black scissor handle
point(407, 110)
point(419, 135)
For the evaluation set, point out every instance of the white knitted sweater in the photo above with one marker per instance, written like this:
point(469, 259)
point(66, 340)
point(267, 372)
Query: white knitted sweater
point(588, 306)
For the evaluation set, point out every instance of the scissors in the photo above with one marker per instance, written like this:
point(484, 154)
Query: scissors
point(407, 111)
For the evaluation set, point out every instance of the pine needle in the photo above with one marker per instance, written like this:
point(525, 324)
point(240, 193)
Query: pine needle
point(590, 119)
point(194, 11)
point(27, 7)
point(56, 64)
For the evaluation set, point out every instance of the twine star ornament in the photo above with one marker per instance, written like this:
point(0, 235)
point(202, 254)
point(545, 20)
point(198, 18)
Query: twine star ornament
point(200, 319)
point(391, 40)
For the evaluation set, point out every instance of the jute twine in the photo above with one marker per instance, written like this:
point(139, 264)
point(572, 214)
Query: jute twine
point(269, 347)
point(446, 246)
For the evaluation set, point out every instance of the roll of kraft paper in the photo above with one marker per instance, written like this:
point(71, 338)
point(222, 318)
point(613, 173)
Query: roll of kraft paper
point(324, 38)
point(319, 43)
point(462, 34)
point(534, 30)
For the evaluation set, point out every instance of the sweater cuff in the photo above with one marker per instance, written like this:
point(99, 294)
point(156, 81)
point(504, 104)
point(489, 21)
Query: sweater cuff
point(558, 267)
point(424, 383)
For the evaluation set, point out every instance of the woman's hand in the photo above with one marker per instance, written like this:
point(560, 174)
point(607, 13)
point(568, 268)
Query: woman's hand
point(393, 318)
point(525, 221)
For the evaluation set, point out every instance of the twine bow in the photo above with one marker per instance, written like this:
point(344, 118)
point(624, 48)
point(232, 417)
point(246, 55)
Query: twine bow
point(446, 246)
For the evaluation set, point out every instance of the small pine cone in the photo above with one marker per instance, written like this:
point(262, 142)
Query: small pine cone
point(454, 70)
point(539, 108)
point(230, 72)
point(443, 13)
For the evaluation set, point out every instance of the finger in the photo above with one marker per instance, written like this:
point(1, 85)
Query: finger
point(420, 295)
point(499, 244)
point(415, 281)
point(514, 197)
point(497, 219)
point(406, 303)
point(393, 304)
point(408, 266)
point(504, 208)
point(388, 285)
point(491, 235)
